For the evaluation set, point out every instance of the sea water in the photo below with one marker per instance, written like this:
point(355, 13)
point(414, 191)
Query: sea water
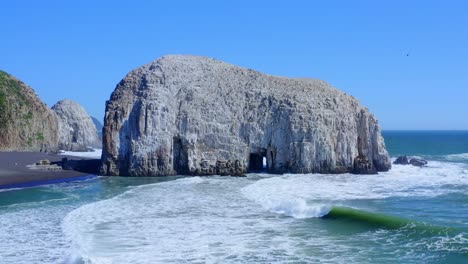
point(406, 215)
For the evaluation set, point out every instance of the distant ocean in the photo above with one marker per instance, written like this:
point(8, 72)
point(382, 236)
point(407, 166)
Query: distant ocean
point(406, 215)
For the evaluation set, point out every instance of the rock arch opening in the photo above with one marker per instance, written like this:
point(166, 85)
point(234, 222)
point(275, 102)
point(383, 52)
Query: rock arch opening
point(258, 162)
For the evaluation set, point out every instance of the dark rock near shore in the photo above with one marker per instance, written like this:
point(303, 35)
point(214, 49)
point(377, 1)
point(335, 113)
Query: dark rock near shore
point(418, 162)
point(402, 160)
point(90, 166)
point(362, 165)
point(415, 161)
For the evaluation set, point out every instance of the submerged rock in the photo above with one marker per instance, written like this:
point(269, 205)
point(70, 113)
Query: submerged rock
point(415, 161)
point(402, 160)
point(77, 131)
point(418, 162)
point(199, 116)
point(26, 123)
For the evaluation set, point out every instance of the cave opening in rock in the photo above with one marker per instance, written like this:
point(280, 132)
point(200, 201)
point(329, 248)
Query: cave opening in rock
point(257, 162)
point(180, 156)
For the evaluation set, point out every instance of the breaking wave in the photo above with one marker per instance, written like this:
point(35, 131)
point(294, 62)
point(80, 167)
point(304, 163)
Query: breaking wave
point(238, 220)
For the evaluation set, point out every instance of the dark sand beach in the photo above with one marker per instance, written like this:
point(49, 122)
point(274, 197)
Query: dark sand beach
point(15, 173)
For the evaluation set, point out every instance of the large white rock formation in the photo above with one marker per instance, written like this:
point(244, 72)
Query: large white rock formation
point(77, 131)
point(200, 116)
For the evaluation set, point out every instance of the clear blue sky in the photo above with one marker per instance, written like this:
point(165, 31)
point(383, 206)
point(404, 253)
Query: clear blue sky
point(81, 49)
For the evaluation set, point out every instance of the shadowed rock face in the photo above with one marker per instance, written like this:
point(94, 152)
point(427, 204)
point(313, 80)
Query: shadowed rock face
point(199, 116)
point(98, 125)
point(77, 131)
point(26, 123)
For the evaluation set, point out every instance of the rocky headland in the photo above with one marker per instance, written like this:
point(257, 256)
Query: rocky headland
point(29, 138)
point(26, 123)
point(199, 116)
point(77, 131)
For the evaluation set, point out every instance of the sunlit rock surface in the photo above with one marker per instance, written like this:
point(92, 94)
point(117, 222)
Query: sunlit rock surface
point(200, 116)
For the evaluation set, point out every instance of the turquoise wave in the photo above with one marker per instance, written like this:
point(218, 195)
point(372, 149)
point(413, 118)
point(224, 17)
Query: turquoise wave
point(378, 220)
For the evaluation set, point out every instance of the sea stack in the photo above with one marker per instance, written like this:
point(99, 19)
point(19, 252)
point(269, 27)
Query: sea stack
point(194, 115)
point(26, 123)
point(77, 131)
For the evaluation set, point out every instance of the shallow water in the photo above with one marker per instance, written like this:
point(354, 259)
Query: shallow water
point(407, 215)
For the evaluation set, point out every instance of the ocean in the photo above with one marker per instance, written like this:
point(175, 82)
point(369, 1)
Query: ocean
point(406, 215)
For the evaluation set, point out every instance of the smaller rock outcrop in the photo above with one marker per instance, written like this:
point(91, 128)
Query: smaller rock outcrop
point(44, 165)
point(415, 161)
point(402, 160)
point(90, 166)
point(77, 131)
point(362, 165)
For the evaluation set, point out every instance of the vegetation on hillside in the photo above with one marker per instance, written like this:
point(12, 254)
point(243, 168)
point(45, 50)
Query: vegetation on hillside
point(15, 110)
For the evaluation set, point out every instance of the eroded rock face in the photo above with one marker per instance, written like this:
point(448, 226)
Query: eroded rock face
point(199, 116)
point(26, 123)
point(77, 131)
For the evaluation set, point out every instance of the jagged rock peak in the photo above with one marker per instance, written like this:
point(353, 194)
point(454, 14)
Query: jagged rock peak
point(26, 123)
point(200, 116)
point(77, 131)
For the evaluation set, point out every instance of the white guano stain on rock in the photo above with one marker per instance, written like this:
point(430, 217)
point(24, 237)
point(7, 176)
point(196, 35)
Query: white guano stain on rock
point(77, 131)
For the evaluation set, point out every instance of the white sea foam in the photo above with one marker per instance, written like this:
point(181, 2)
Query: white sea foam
point(191, 220)
point(457, 157)
point(273, 195)
point(436, 179)
point(31, 235)
point(226, 220)
point(311, 195)
point(232, 220)
point(95, 154)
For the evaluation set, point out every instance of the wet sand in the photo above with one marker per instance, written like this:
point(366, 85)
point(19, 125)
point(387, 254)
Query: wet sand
point(14, 173)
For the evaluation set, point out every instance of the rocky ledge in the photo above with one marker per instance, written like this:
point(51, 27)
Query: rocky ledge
point(199, 116)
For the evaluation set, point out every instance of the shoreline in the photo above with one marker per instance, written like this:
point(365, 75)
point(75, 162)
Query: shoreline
point(14, 172)
point(45, 182)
